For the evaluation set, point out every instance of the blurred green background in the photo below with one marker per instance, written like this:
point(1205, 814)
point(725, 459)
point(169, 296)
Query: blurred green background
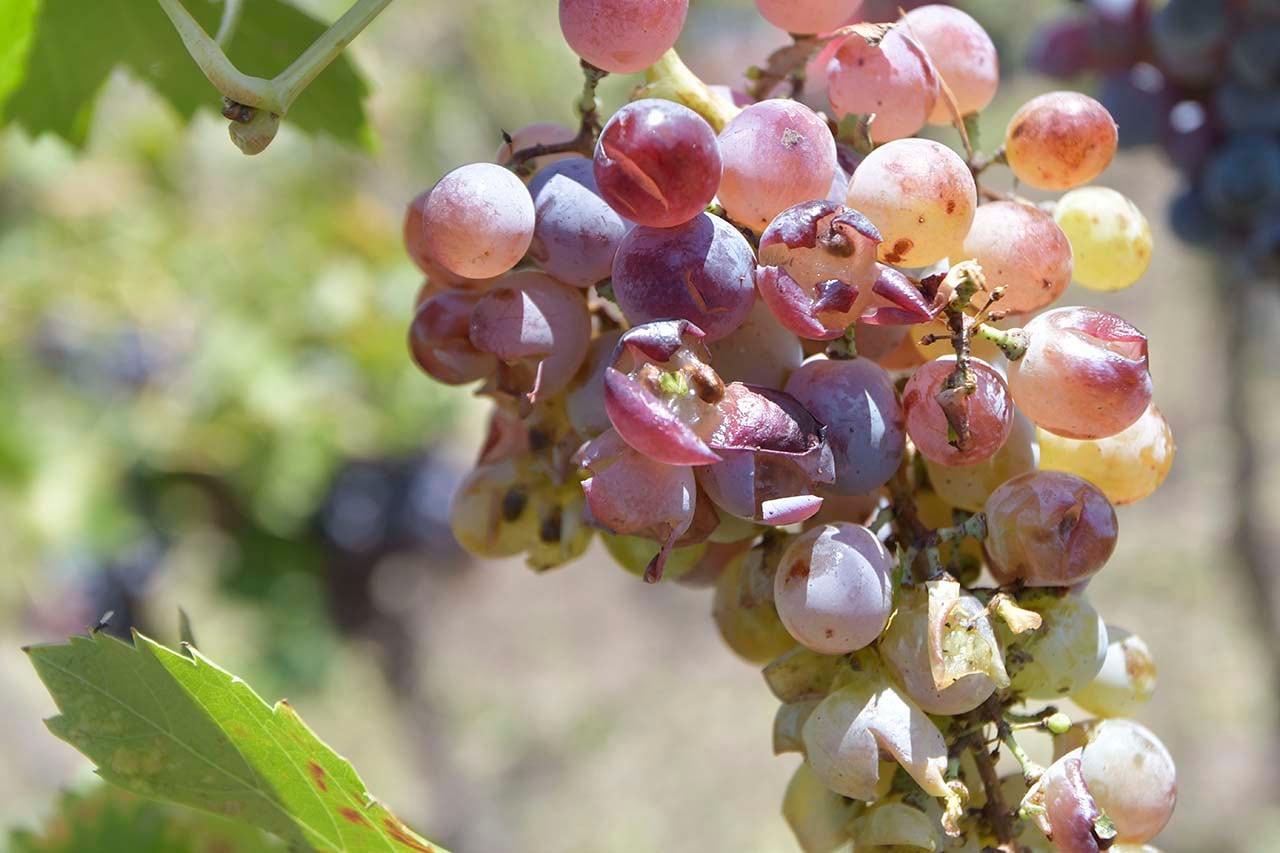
point(207, 402)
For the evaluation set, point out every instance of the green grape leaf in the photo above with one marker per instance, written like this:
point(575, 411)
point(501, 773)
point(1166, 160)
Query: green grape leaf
point(17, 19)
point(76, 45)
point(104, 819)
point(182, 729)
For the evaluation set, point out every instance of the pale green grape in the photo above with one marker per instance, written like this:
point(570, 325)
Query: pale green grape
point(634, 553)
point(816, 814)
point(1110, 238)
point(1127, 679)
point(1064, 654)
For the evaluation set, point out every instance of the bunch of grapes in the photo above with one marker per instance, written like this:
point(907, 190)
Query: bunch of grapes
point(1200, 78)
point(806, 358)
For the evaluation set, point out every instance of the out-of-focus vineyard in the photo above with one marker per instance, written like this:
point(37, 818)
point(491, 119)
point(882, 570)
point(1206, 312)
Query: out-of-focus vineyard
point(208, 403)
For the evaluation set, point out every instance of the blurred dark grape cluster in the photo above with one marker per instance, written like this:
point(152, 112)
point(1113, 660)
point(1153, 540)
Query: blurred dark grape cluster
point(1201, 79)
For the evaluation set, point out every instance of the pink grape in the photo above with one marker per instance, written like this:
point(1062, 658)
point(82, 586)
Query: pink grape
point(702, 271)
point(622, 36)
point(816, 258)
point(807, 16)
point(920, 195)
point(657, 163)
point(1131, 777)
point(1060, 140)
point(576, 234)
point(988, 413)
point(540, 133)
point(632, 494)
point(834, 588)
point(415, 243)
point(478, 220)
point(538, 327)
point(776, 153)
point(1084, 374)
point(1048, 528)
point(661, 394)
point(961, 52)
point(856, 401)
point(1022, 249)
point(893, 79)
point(439, 341)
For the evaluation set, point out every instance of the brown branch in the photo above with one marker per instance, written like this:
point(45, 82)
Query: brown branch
point(787, 63)
point(997, 808)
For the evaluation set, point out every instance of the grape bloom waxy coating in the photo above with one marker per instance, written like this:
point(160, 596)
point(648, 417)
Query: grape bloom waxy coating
point(837, 387)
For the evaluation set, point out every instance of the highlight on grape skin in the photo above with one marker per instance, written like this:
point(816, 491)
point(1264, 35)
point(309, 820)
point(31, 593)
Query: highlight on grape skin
point(478, 221)
point(657, 163)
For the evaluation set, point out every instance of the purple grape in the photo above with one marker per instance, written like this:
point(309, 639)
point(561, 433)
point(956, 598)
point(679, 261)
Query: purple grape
point(657, 163)
point(575, 233)
point(772, 453)
point(1253, 56)
point(702, 271)
point(855, 400)
point(1243, 179)
point(1190, 136)
point(1140, 101)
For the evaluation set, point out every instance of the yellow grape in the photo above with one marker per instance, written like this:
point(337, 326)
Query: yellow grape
point(1109, 236)
point(1126, 466)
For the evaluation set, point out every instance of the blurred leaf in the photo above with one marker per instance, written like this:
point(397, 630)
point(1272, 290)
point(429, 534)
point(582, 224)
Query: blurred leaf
point(107, 820)
point(16, 20)
point(78, 44)
point(181, 729)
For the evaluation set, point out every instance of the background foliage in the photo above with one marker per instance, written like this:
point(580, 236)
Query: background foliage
point(208, 402)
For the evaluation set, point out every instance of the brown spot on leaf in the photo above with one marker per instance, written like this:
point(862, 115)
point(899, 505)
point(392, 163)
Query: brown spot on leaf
point(317, 773)
point(353, 816)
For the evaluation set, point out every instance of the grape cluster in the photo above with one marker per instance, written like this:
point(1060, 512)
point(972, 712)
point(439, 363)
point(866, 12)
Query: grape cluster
point(805, 359)
point(1199, 78)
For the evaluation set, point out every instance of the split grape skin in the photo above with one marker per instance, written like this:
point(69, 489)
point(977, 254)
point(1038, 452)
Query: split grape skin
point(702, 271)
point(657, 163)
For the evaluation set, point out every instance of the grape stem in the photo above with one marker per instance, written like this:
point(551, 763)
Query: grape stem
point(584, 141)
point(997, 808)
point(670, 79)
point(278, 94)
point(787, 63)
point(1031, 771)
point(1012, 342)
